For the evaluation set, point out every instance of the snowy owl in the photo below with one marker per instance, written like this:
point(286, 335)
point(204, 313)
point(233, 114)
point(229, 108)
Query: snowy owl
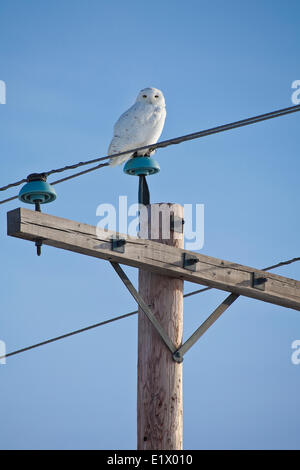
point(141, 125)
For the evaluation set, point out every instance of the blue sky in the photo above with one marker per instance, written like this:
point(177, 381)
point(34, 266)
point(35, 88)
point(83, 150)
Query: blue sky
point(71, 68)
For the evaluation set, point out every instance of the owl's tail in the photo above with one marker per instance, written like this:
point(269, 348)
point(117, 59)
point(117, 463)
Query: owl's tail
point(119, 160)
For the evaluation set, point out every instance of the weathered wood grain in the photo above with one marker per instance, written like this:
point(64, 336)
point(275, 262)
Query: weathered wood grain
point(153, 256)
point(159, 388)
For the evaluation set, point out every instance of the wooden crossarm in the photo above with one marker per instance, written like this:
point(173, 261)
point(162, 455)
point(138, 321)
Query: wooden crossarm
point(153, 256)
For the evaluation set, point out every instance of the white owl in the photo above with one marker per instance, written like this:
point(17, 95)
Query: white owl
point(141, 125)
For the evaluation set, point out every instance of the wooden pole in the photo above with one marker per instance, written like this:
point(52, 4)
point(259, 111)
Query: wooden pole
point(159, 388)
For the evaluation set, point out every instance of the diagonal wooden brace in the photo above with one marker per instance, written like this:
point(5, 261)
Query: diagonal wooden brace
point(144, 307)
point(178, 355)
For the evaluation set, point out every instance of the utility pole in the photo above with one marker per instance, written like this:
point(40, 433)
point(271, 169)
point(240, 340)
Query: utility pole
point(163, 266)
point(159, 382)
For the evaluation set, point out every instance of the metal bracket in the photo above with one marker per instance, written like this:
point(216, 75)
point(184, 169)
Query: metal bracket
point(144, 307)
point(38, 244)
point(190, 261)
point(258, 281)
point(144, 193)
point(118, 244)
point(178, 356)
point(176, 223)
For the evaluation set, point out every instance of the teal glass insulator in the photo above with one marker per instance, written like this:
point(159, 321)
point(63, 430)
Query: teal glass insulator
point(37, 190)
point(139, 166)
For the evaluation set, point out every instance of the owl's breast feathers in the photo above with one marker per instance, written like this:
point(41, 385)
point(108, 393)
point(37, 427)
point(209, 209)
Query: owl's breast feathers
point(140, 125)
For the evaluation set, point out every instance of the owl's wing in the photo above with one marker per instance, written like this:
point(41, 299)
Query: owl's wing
point(130, 123)
point(135, 128)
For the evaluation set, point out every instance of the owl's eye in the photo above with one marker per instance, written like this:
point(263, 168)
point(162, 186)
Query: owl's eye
point(144, 96)
point(156, 96)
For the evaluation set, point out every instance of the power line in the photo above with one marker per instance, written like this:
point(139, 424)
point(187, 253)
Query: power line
point(8, 200)
point(57, 338)
point(194, 292)
point(81, 330)
point(62, 179)
point(282, 263)
point(120, 317)
point(166, 143)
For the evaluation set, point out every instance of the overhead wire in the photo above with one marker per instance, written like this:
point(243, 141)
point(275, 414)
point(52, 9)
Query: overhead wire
point(120, 317)
point(66, 335)
point(162, 144)
point(81, 330)
point(62, 180)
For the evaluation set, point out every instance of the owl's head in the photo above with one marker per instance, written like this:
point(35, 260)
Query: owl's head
point(151, 96)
